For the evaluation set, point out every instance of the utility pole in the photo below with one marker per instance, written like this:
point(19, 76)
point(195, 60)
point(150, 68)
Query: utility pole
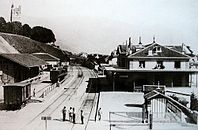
point(11, 12)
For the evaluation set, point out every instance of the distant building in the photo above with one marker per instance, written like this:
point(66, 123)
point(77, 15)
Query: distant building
point(19, 67)
point(15, 14)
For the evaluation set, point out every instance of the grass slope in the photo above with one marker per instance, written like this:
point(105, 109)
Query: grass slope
point(27, 45)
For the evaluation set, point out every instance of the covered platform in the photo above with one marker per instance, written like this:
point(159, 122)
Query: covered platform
point(132, 80)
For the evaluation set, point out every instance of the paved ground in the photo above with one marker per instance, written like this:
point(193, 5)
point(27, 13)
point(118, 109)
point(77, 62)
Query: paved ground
point(125, 116)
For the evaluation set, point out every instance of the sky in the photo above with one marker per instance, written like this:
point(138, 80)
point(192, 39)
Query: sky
point(98, 26)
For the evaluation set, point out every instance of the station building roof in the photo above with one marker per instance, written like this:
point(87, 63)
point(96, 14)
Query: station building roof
point(20, 84)
point(163, 52)
point(26, 60)
point(46, 57)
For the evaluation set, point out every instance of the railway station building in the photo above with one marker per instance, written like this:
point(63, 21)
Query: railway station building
point(149, 64)
point(18, 67)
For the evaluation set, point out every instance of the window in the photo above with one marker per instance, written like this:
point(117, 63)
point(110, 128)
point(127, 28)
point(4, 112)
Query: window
point(154, 50)
point(177, 64)
point(159, 49)
point(142, 64)
point(159, 65)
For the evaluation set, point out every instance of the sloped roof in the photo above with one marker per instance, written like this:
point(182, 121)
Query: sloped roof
point(176, 48)
point(5, 47)
point(186, 49)
point(19, 84)
point(46, 57)
point(153, 94)
point(165, 52)
point(26, 60)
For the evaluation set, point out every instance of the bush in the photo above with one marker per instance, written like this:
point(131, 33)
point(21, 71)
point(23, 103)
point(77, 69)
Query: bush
point(194, 102)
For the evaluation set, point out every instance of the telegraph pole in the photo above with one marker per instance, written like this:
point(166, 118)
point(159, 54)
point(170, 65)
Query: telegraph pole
point(11, 13)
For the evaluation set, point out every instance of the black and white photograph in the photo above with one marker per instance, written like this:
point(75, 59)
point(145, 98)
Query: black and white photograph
point(98, 64)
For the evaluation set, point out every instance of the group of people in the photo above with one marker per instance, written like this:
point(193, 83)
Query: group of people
point(72, 115)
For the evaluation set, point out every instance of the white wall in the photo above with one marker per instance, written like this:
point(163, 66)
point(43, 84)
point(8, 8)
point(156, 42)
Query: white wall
point(169, 65)
point(150, 64)
point(113, 61)
point(133, 65)
point(52, 62)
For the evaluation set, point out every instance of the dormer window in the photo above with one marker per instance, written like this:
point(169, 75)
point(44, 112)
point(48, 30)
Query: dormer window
point(158, 49)
point(150, 53)
point(155, 51)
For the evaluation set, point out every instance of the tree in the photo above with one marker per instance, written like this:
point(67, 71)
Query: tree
point(13, 27)
point(17, 27)
point(2, 24)
point(42, 34)
point(8, 28)
point(37, 33)
point(26, 30)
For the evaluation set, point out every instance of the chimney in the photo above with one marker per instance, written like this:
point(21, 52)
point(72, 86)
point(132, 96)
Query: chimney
point(130, 42)
point(140, 40)
point(153, 39)
point(183, 52)
point(126, 46)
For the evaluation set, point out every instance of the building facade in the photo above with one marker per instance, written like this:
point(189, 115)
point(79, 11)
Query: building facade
point(149, 64)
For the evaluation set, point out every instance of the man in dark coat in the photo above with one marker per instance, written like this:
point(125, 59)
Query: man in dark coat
point(64, 113)
point(74, 116)
point(81, 117)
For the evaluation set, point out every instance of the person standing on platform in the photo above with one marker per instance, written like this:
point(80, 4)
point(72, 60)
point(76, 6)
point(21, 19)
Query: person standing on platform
point(64, 113)
point(74, 116)
point(99, 114)
point(70, 114)
point(81, 117)
point(34, 93)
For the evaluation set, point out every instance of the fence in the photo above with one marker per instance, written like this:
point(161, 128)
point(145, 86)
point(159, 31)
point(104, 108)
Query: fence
point(165, 111)
point(125, 119)
point(49, 89)
point(174, 110)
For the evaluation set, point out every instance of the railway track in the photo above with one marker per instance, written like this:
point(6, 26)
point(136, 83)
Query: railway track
point(61, 98)
point(47, 86)
point(86, 97)
point(90, 97)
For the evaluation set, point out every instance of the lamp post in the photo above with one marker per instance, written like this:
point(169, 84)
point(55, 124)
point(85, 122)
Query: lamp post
point(114, 80)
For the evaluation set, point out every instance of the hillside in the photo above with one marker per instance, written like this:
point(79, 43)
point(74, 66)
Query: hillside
point(27, 45)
